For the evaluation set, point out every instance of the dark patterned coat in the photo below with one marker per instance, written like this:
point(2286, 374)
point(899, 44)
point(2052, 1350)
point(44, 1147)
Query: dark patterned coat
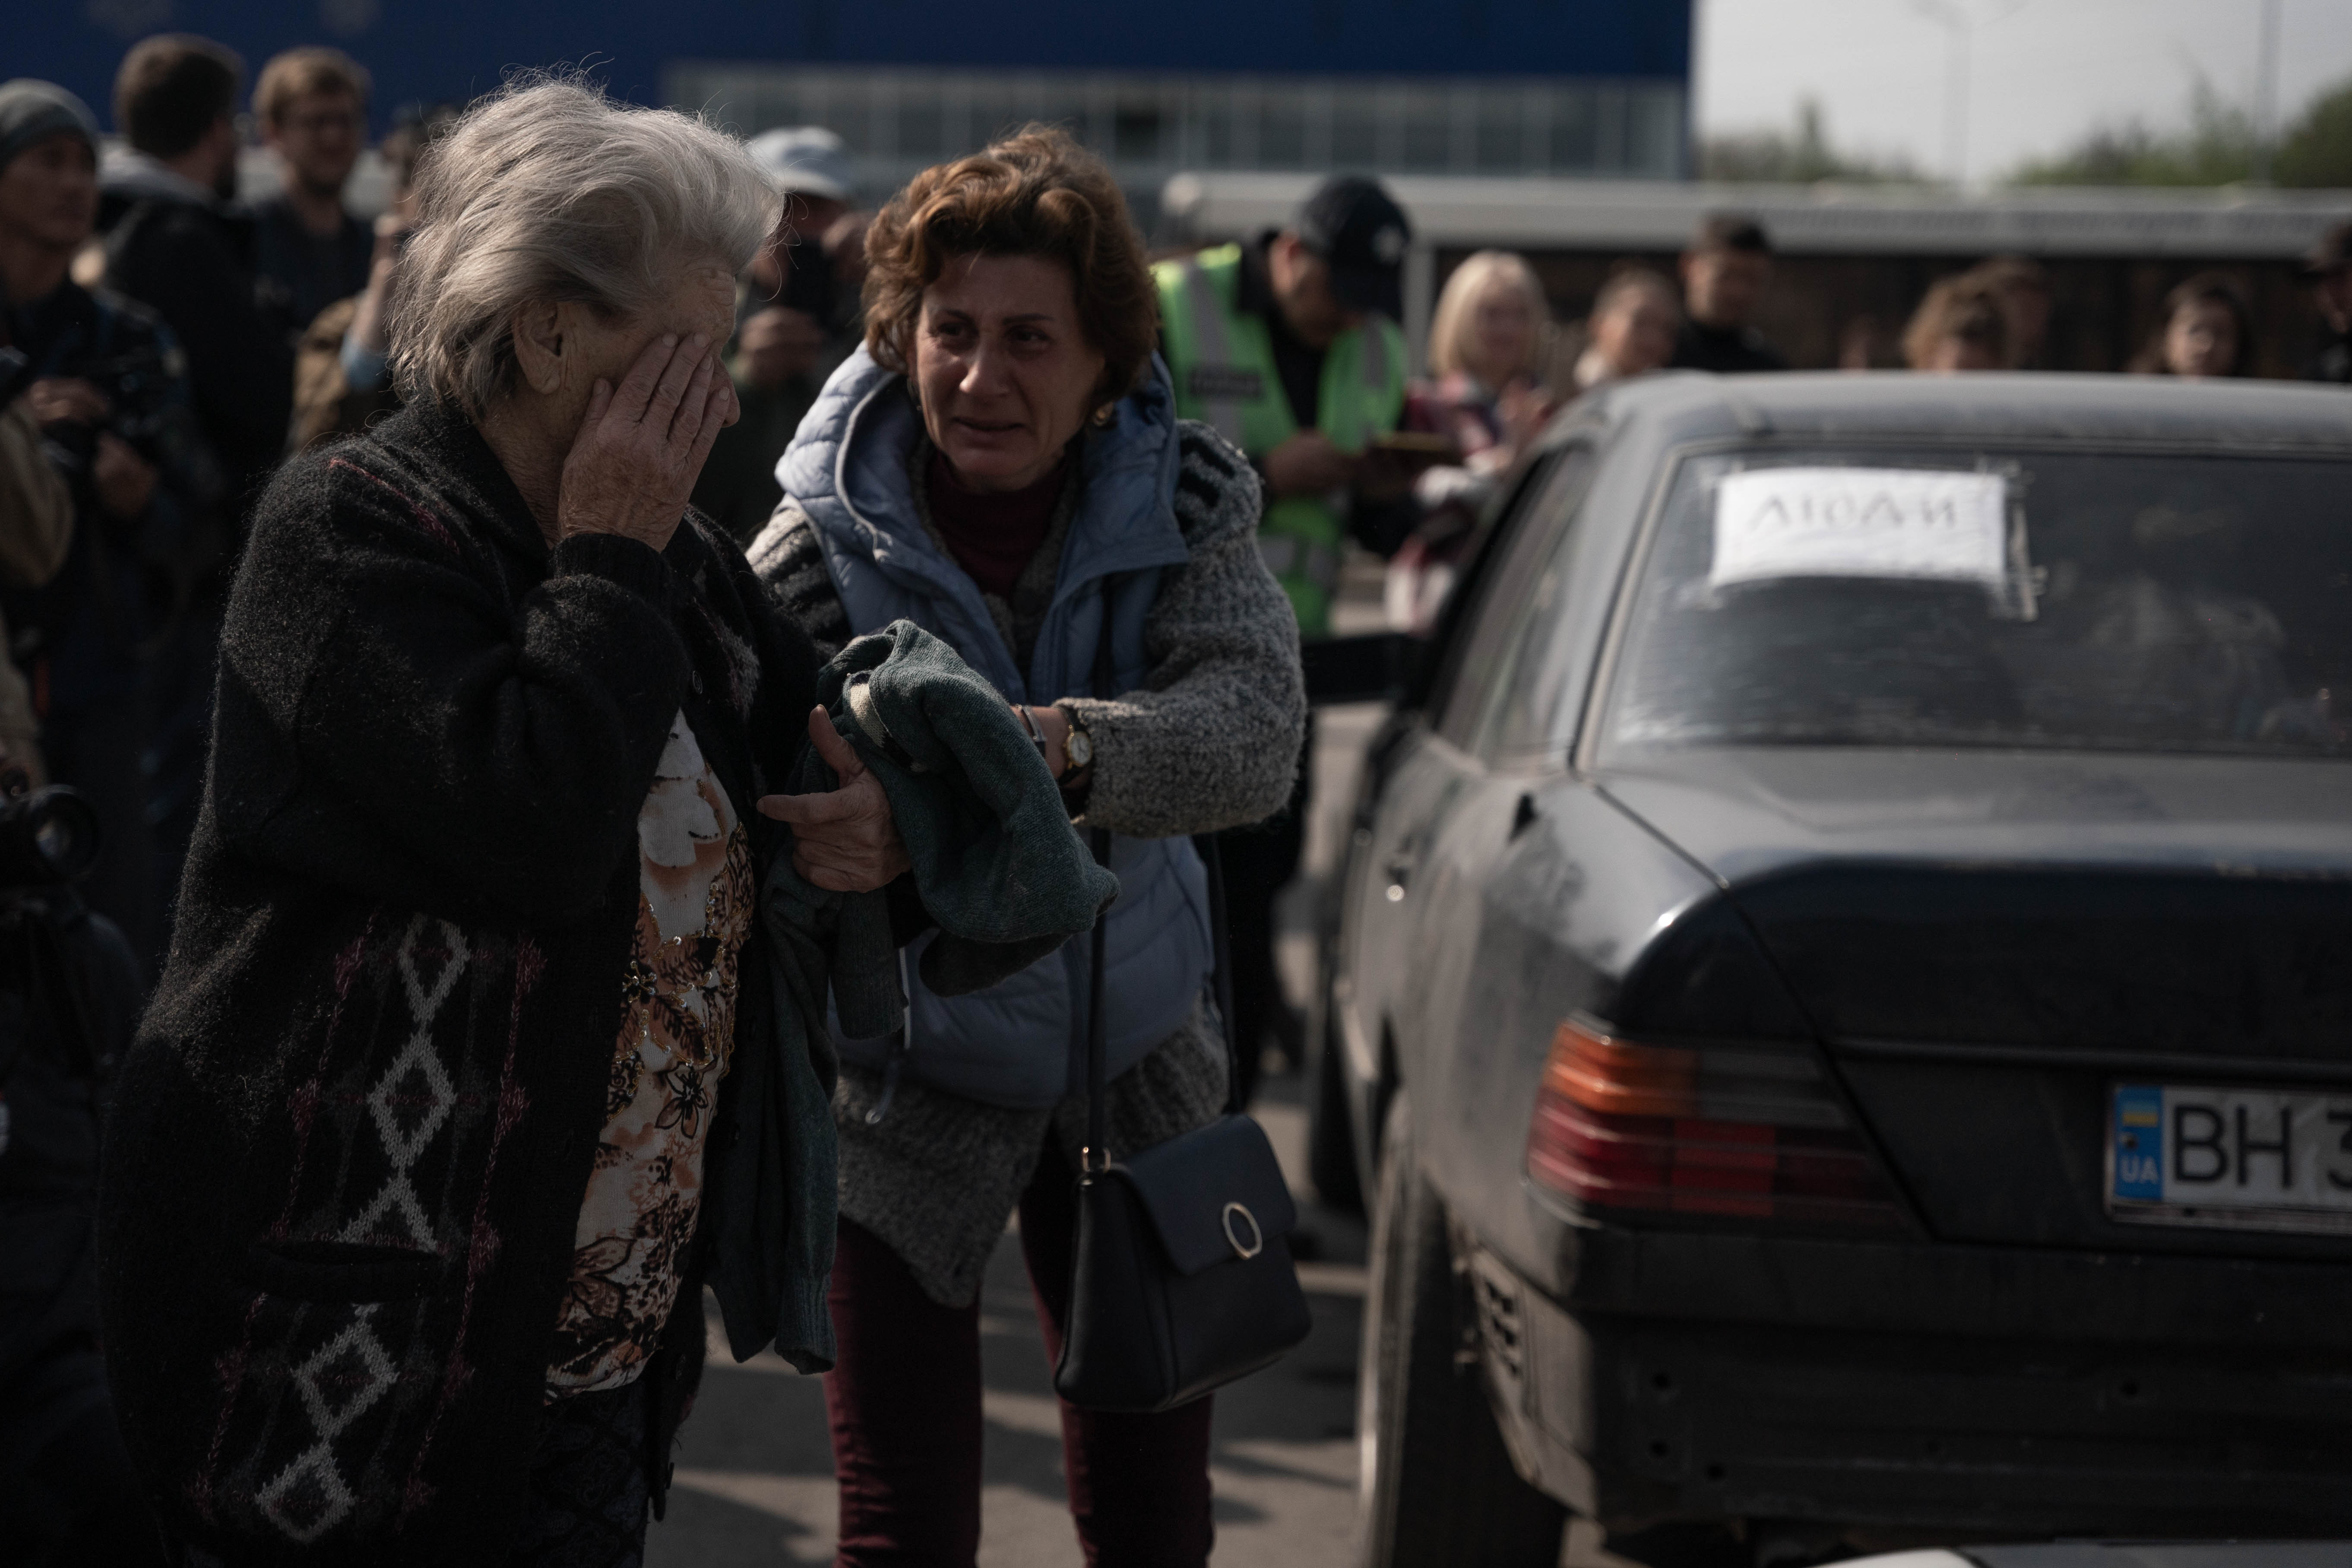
point(350, 1146)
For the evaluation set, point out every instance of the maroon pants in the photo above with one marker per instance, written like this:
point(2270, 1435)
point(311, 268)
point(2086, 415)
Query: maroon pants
point(904, 1402)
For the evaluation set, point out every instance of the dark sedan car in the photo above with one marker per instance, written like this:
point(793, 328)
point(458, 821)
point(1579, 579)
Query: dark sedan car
point(1843, 1004)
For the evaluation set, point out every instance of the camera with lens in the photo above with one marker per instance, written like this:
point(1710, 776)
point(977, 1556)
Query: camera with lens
point(49, 836)
point(137, 385)
point(120, 378)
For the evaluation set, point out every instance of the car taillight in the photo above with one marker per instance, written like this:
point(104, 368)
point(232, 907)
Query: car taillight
point(1747, 1132)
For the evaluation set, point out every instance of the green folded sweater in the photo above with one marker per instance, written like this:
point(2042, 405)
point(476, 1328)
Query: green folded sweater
point(996, 865)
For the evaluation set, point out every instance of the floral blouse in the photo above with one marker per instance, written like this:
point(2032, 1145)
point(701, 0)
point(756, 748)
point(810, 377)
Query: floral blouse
point(697, 896)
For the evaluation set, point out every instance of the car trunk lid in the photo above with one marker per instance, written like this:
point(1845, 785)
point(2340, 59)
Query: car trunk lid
point(1991, 945)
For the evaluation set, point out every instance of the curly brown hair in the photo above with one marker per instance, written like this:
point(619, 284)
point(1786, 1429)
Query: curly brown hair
point(1036, 193)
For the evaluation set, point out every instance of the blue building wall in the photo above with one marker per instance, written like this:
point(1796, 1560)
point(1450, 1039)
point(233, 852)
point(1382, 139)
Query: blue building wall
point(450, 49)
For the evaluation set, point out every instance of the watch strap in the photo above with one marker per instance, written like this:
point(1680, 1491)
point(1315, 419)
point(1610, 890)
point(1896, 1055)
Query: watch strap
point(1036, 735)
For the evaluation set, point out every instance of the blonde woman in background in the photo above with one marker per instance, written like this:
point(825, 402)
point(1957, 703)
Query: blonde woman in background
point(1488, 343)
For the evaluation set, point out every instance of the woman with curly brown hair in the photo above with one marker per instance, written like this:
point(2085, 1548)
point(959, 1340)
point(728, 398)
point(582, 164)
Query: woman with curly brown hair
point(1001, 464)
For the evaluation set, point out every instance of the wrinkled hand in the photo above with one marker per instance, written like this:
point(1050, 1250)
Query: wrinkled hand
point(641, 445)
point(1308, 464)
point(55, 399)
point(125, 481)
point(845, 841)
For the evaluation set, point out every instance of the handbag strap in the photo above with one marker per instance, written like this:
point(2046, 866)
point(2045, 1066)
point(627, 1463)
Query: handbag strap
point(1221, 978)
point(1096, 1157)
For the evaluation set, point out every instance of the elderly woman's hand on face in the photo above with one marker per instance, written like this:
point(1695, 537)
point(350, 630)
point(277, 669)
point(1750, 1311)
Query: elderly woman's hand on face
point(642, 444)
point(845, 841)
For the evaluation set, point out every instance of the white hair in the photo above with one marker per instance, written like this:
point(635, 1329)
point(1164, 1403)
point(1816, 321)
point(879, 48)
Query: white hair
point(546, 191)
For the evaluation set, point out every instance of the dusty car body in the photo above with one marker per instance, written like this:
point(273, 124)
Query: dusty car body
point(1864, 1039)
point(2122, 1555)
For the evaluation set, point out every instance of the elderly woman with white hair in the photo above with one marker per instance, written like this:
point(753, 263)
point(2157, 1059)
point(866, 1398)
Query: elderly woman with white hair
point(400, 1249)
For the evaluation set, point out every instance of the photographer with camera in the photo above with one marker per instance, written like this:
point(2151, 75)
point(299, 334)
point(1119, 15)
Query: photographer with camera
point(68, 999)
point(110, 398)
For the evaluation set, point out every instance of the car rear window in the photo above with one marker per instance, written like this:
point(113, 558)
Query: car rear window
point(2101, 601)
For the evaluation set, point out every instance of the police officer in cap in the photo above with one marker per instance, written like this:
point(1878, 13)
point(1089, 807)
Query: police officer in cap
point(1289, 346)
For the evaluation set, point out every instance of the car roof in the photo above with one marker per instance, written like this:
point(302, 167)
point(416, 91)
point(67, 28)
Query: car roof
point(1682, 406)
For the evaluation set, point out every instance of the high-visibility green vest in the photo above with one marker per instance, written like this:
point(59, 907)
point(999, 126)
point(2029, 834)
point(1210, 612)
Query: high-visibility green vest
point(1223, 362)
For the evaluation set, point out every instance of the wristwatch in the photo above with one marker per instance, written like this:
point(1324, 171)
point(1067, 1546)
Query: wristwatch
point(1078, 746)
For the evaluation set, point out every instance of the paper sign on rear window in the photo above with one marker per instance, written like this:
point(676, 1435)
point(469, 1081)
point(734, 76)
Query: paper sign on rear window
point(1906, 523)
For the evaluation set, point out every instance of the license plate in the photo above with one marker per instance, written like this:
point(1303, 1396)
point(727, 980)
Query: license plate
point(2255, 1158)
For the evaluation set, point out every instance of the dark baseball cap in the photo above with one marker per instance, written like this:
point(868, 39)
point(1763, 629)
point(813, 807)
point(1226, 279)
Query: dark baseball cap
point(1361, 233)
point(2333, 253)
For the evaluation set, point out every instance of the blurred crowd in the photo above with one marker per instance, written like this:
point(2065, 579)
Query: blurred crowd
point(1499, 363)
point(169, 345)
point(164, 346)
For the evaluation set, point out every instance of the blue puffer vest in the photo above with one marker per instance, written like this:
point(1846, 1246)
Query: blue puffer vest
point(1019, 1042)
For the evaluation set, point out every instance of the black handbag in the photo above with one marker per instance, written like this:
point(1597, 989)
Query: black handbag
point(1182, 1279)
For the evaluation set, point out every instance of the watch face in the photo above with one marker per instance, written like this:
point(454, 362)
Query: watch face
point(1080, 749)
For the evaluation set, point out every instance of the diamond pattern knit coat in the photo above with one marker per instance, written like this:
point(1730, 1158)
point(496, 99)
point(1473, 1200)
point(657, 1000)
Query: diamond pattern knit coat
point(350, 1144)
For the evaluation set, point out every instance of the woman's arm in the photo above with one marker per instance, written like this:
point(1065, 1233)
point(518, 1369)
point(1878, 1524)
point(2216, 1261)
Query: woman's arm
point(844, 840)
point(389, 720)
point(484, 750)
point(1211, 738)
point(789, 564)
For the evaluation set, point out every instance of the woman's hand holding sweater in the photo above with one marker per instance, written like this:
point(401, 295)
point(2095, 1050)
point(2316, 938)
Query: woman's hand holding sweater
point(642, 444)
point(845, 841)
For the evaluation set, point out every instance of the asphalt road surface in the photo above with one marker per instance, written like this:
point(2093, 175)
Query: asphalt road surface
point(755, 1474)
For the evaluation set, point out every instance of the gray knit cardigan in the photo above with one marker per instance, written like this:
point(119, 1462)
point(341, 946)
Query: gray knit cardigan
point(1210, 740)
